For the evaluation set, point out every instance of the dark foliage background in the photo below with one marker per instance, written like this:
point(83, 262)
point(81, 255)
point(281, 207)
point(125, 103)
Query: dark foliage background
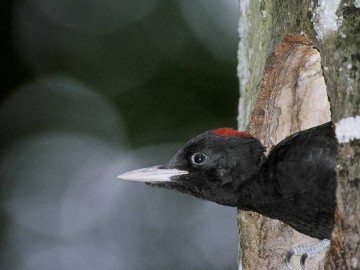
point(90, 89)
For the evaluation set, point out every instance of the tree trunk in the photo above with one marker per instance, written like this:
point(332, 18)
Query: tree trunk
point(285, 86)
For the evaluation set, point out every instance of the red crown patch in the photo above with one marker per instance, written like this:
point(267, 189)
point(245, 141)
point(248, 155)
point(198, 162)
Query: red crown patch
point(230, 132)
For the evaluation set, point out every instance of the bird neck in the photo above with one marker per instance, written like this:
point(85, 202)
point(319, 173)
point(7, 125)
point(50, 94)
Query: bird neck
point(258, 195)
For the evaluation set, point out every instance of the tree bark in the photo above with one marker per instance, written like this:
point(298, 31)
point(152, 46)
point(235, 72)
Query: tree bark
point(285, 86)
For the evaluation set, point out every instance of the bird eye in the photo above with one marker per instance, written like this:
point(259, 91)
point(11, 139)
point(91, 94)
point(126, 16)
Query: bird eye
point(198, 158)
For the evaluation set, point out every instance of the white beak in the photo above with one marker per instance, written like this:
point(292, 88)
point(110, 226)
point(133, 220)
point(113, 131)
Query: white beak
point(152, 174)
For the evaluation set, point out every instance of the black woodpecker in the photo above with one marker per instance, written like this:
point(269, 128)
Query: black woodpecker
point(295, 183)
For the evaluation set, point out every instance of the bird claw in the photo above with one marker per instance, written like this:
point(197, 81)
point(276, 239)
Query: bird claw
point(292, 252)
point(303, 259)
point(288, 257)
point(306, 252)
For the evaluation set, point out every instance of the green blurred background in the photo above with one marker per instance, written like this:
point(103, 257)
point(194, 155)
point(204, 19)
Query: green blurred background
point(91, 89)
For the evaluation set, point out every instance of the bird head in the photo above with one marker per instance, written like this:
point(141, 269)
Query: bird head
point(211, 166)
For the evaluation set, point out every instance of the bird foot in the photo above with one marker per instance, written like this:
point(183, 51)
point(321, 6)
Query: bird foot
point(306, 252)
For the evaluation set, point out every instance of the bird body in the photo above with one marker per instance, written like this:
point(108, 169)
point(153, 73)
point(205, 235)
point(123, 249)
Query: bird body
point(300, 181)
point(295, 183)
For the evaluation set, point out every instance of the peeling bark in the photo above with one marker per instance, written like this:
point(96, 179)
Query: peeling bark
point(292, 90)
